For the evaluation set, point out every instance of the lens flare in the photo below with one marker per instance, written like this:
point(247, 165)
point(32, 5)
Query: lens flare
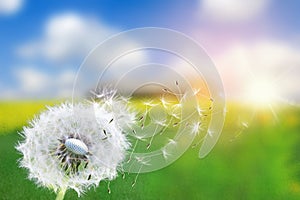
point(262, 93)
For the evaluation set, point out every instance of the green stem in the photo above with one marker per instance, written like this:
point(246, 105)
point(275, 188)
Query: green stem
point(61, 193)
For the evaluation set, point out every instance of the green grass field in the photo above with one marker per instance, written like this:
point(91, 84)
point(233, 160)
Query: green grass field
point(261, 163)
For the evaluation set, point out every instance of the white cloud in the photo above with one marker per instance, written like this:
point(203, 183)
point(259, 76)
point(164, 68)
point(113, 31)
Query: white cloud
point(31, 80)
point(64, 84)
point(10, 6)
point(232, 10)
point(67, 36)
point(34, 83)
point(271, 61)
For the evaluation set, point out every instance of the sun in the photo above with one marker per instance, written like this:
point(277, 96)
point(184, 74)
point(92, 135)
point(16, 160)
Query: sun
point(262, 92)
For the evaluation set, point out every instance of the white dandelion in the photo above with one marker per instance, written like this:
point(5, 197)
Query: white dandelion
point(75, 146)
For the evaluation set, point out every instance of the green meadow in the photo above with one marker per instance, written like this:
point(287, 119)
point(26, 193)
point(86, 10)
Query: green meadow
point(260, 162)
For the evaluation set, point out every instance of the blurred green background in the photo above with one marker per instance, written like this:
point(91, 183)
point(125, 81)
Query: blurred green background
point(262, 162)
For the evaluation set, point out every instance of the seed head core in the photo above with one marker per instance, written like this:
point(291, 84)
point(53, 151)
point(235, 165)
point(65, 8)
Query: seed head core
point(76, 146)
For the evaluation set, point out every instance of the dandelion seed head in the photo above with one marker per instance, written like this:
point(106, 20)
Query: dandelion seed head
point(63, 146)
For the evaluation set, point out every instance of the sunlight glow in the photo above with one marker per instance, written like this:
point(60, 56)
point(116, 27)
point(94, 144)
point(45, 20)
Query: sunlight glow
point(262, 92)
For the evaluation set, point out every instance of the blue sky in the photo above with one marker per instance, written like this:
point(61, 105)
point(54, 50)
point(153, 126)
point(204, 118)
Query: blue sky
point(269, 25)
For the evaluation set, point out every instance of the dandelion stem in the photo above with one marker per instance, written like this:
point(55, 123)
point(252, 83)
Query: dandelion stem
point(61, 193)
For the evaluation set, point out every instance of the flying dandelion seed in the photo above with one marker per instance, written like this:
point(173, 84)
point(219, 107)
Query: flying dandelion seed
point(63, 147)
point(170, 120)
